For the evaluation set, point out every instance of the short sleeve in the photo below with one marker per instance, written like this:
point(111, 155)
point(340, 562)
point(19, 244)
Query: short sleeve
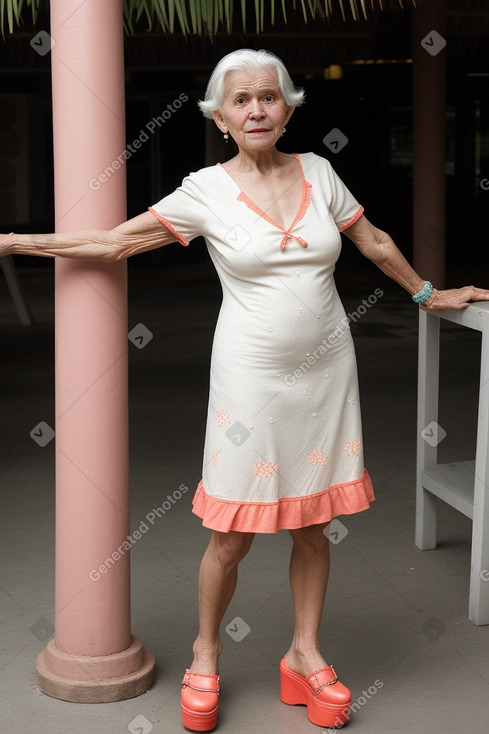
point(344, 207)
point(184, 211)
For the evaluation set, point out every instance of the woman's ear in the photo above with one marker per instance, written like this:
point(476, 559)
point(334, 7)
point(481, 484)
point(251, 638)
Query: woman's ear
point(218, 119)
point(290, 112)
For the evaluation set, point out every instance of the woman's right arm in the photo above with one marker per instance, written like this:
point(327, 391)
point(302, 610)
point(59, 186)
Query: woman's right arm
point(139, 234)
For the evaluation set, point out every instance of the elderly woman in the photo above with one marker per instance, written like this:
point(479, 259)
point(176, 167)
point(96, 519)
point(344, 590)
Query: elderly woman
point(280, 453)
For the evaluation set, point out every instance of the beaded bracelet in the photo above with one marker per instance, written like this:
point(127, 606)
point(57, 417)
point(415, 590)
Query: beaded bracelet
point(423, 295)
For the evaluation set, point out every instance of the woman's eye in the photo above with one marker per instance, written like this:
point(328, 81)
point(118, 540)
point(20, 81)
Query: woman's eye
point(268, 98)
point(240, 100)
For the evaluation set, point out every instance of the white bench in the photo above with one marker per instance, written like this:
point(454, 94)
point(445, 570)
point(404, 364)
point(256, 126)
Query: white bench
point(463, 485)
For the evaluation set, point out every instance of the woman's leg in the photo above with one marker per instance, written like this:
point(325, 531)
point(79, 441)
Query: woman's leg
point(309, 570)
point(217, 582)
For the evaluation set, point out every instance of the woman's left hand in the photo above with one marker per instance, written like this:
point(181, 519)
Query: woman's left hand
point(456, 298)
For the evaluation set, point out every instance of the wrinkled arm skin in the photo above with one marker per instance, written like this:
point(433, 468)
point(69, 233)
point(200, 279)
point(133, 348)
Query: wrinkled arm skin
point(379, 247)
point(140, 234)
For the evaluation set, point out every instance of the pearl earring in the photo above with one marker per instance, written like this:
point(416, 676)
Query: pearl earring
point(226, 137)
point(284, 130)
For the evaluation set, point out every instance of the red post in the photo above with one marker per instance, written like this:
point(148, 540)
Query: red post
point(429, 140)
point(94, 657)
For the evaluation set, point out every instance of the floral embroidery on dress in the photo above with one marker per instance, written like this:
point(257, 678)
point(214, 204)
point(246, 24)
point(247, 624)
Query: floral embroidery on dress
point(260, 334)
point(317, 458)
point(265, 469)
point(353, 448)
point(223, 419)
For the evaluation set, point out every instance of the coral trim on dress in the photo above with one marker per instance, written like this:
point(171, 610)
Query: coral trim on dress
point(352, 220)
point(169, 226)
point(286, 514)
point(303, 207)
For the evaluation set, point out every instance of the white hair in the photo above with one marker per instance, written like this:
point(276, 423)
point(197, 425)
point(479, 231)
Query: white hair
point(246, 59)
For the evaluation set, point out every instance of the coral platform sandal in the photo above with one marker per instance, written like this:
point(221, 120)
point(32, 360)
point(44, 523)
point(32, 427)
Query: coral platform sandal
point(199, 699)
point(327, 700)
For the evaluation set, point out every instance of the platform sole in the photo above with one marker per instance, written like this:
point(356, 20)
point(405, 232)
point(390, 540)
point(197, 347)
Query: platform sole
point(294, 691)
point(199, 722)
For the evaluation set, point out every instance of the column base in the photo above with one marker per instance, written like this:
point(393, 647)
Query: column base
point(95, 679)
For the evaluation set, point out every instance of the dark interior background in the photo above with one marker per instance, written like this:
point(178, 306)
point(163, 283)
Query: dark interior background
point(371, 104)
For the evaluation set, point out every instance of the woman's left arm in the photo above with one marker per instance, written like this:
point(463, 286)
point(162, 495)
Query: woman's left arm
point(379, 247)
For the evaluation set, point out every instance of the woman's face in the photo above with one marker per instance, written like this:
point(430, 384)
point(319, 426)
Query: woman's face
point(253, 110)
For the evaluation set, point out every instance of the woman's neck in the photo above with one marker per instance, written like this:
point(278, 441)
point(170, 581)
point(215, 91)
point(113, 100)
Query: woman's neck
point(260, 161)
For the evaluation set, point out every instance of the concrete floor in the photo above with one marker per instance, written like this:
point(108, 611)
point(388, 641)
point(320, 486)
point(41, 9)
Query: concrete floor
point(395, 624)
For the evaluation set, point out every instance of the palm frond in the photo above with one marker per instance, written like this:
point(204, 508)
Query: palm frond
point(200, 16)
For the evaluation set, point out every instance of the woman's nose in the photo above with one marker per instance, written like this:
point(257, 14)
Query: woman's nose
point(256, 109)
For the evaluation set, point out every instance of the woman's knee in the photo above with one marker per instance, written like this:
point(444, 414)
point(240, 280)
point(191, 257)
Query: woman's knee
point(311, 539)
point(232, 547)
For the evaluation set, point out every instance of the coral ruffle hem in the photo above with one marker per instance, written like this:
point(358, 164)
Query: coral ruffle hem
point(286, 514)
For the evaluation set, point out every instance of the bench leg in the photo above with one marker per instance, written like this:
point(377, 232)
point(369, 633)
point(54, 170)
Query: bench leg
point(479, 574)
point(425, 538)
point(428, 379)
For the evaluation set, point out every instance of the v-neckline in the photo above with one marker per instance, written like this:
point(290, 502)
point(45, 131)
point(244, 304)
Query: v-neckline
point(303, 205)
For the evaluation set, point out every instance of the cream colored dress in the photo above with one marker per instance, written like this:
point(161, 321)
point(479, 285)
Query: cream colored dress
point(283, 446)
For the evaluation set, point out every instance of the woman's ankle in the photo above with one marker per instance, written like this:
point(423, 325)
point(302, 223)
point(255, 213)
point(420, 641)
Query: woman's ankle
point(202, 646)
point(206, 657)
point(305, 660)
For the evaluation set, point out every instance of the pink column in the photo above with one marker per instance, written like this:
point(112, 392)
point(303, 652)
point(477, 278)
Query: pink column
point(93, 657)
point(429, 140)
